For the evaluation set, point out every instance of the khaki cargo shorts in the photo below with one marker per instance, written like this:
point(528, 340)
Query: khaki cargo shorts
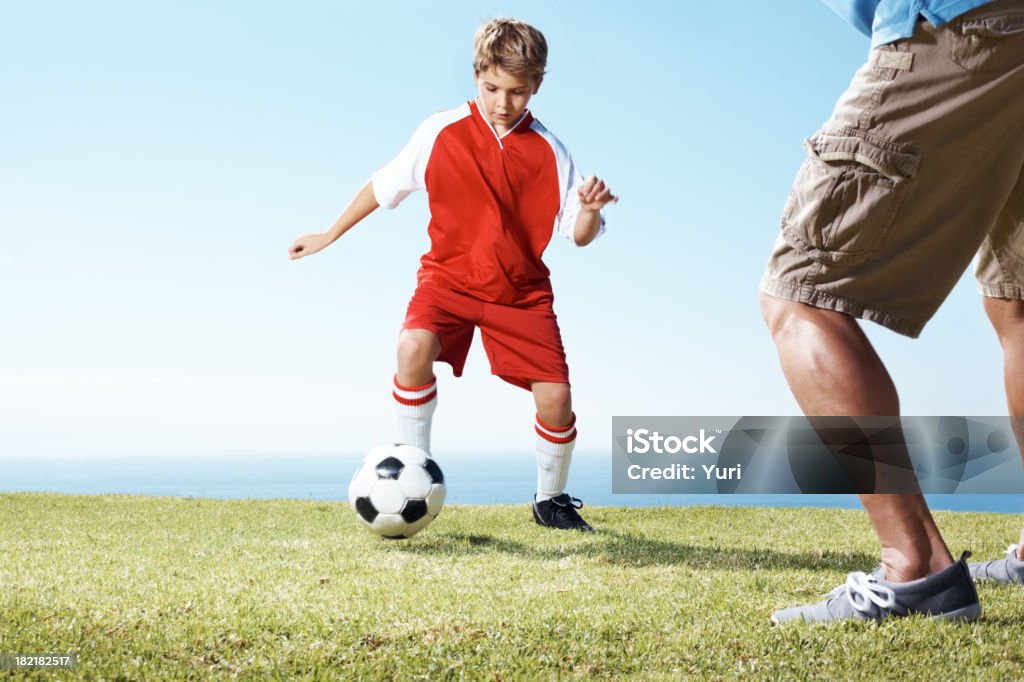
point(920, 167)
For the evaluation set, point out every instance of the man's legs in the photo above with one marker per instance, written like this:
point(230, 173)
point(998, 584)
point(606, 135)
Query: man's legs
point(880, 224)
point(833, 370)
point(1007, 318)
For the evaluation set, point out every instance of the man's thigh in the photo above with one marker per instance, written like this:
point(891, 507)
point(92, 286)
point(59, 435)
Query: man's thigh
point(999, 268)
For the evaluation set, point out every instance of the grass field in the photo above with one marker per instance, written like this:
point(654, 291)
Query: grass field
point(170, 588)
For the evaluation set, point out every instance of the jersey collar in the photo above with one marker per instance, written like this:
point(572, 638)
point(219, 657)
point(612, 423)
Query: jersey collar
point(522, 124)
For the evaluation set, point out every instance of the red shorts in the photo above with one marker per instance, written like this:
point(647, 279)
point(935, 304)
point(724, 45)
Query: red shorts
point(522, 344)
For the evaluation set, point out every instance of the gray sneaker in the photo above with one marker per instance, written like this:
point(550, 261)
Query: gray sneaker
point(876, 575)
point(948, 594)
point(1008, 570)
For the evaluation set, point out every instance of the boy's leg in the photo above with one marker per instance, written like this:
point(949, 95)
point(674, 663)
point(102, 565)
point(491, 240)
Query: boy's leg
point(524, 346)
point(415, 390)
point(417, 351)
point(556, 437)
point(819, 350)
point(555, 440)
point(438, 326)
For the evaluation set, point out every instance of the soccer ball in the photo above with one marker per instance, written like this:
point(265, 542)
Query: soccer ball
point(397, 491)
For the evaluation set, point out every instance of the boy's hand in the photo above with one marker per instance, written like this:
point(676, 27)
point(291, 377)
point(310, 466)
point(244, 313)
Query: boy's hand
point(594, 195)
point(308, 244)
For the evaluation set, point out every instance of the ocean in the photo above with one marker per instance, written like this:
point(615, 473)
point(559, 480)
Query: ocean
point(483, 479)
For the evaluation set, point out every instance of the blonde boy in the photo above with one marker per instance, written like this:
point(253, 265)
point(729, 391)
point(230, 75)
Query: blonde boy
point(498, 185)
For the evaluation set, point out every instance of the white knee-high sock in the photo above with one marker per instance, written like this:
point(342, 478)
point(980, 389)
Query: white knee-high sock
point(554, 453)
point(415, 407)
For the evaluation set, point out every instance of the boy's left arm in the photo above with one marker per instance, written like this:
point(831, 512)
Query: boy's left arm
point(594, 195)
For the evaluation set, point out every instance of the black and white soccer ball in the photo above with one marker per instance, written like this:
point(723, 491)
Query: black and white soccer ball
point(397, 491)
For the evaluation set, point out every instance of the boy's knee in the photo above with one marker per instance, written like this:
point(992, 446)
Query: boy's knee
point(560, 397)
point(416, 349)
point(554, 404)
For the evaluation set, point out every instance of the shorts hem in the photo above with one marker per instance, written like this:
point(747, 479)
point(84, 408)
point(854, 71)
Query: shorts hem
point(456, 369)
point(807, 294)
point(523, 380)
point(457, 364)
point(1001, 290)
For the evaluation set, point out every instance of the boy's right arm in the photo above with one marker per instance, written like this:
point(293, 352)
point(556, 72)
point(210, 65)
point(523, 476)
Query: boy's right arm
point(403, 175)
point(362, 205)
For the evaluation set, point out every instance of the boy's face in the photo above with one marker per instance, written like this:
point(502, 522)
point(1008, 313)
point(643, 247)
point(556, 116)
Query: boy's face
point(504, 96)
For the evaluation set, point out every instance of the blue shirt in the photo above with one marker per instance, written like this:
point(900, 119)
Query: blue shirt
point(889, 20)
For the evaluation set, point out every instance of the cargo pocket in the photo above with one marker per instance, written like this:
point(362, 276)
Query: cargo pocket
point(846, 195)
point(989, 44)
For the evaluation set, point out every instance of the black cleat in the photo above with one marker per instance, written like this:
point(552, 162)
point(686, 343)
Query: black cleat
point(560, 513)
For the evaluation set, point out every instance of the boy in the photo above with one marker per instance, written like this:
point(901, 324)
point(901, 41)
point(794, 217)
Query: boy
point(918, 169)
point(498, 184)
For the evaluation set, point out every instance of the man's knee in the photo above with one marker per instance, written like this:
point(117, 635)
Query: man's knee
point(791, 322)
point(780, 314)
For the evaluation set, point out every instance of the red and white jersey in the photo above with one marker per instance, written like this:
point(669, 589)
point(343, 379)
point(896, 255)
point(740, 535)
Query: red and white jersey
point(494, 202)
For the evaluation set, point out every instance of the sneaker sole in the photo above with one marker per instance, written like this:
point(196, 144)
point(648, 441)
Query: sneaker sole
point(967, 613)
point(988, 580)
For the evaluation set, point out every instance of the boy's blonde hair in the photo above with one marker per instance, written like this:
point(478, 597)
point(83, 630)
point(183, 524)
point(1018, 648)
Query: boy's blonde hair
point(513, 45)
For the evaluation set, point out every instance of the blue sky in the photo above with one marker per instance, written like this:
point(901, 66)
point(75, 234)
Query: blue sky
point(156, 162)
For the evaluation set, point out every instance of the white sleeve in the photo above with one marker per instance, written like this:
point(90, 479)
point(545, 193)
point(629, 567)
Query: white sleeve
point(565, 221)
point(569, 181)
point(406, 173)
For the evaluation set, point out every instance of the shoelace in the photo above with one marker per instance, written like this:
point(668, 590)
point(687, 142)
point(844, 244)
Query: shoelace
point(862, 590)
point(567, 509)
point(574, 502)
point(873, 575)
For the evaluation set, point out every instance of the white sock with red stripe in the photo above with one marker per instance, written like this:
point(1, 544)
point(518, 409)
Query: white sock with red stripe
point(415, 407)
point(554, 453)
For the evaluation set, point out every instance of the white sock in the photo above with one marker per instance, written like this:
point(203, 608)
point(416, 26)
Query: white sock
point(415, 407)
point(554, 453)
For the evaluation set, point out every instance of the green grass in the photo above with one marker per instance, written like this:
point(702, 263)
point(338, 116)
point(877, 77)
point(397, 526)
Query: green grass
point(164, 588)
